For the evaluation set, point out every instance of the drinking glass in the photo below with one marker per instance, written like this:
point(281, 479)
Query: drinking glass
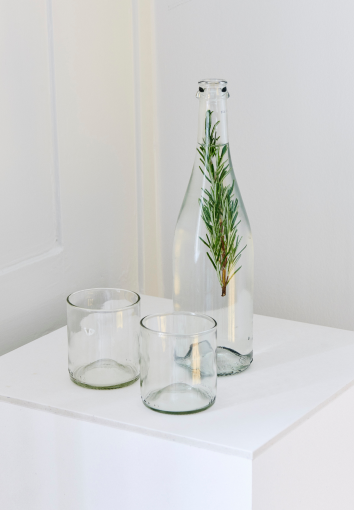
point(178, 362)
point(103, 335)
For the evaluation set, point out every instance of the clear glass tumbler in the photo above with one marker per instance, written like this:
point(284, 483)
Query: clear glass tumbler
point(178, 362)
point(103, 334)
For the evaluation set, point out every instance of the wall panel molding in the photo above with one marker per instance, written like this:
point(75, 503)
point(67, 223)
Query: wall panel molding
point(147, 149)
point(55, 148)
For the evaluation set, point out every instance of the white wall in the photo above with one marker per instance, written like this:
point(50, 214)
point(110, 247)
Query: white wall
point(68, 203)
point(290, 71)
point(98, 129)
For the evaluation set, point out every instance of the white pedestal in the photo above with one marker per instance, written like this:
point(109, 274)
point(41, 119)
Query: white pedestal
point(279, 437)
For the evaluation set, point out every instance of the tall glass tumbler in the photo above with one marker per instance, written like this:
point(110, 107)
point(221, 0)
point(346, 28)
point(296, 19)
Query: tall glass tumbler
point(103, 334)
point(178, 362)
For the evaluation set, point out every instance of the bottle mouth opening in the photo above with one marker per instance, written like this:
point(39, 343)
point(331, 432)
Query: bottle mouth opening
point(212, 87)
point(212, 82)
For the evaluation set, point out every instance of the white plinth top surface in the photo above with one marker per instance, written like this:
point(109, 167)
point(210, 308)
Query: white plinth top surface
point(297, 369)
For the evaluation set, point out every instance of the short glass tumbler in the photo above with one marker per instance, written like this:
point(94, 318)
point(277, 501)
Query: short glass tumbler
point(103, 334)
point(178, 362)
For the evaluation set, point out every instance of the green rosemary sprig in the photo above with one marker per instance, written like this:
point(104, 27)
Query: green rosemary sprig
point(219, 208)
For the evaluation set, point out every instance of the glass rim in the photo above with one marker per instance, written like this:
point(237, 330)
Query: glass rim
point(99, 309)
point(202, 315)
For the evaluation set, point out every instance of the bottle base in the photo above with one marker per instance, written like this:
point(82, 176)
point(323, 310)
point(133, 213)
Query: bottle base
point(231, 362)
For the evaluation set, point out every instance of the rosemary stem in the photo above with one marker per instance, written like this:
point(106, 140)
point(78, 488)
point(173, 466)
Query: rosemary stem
point(223, 289)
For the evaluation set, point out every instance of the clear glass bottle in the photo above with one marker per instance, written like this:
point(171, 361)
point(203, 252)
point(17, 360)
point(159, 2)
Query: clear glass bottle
point(213, 246)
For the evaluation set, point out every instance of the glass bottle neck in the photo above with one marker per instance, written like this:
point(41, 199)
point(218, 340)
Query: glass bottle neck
point(218, 107)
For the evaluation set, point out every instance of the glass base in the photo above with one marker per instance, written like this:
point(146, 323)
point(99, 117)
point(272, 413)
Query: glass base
point(230, 362)
point(179, 398)
point(104, 374)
